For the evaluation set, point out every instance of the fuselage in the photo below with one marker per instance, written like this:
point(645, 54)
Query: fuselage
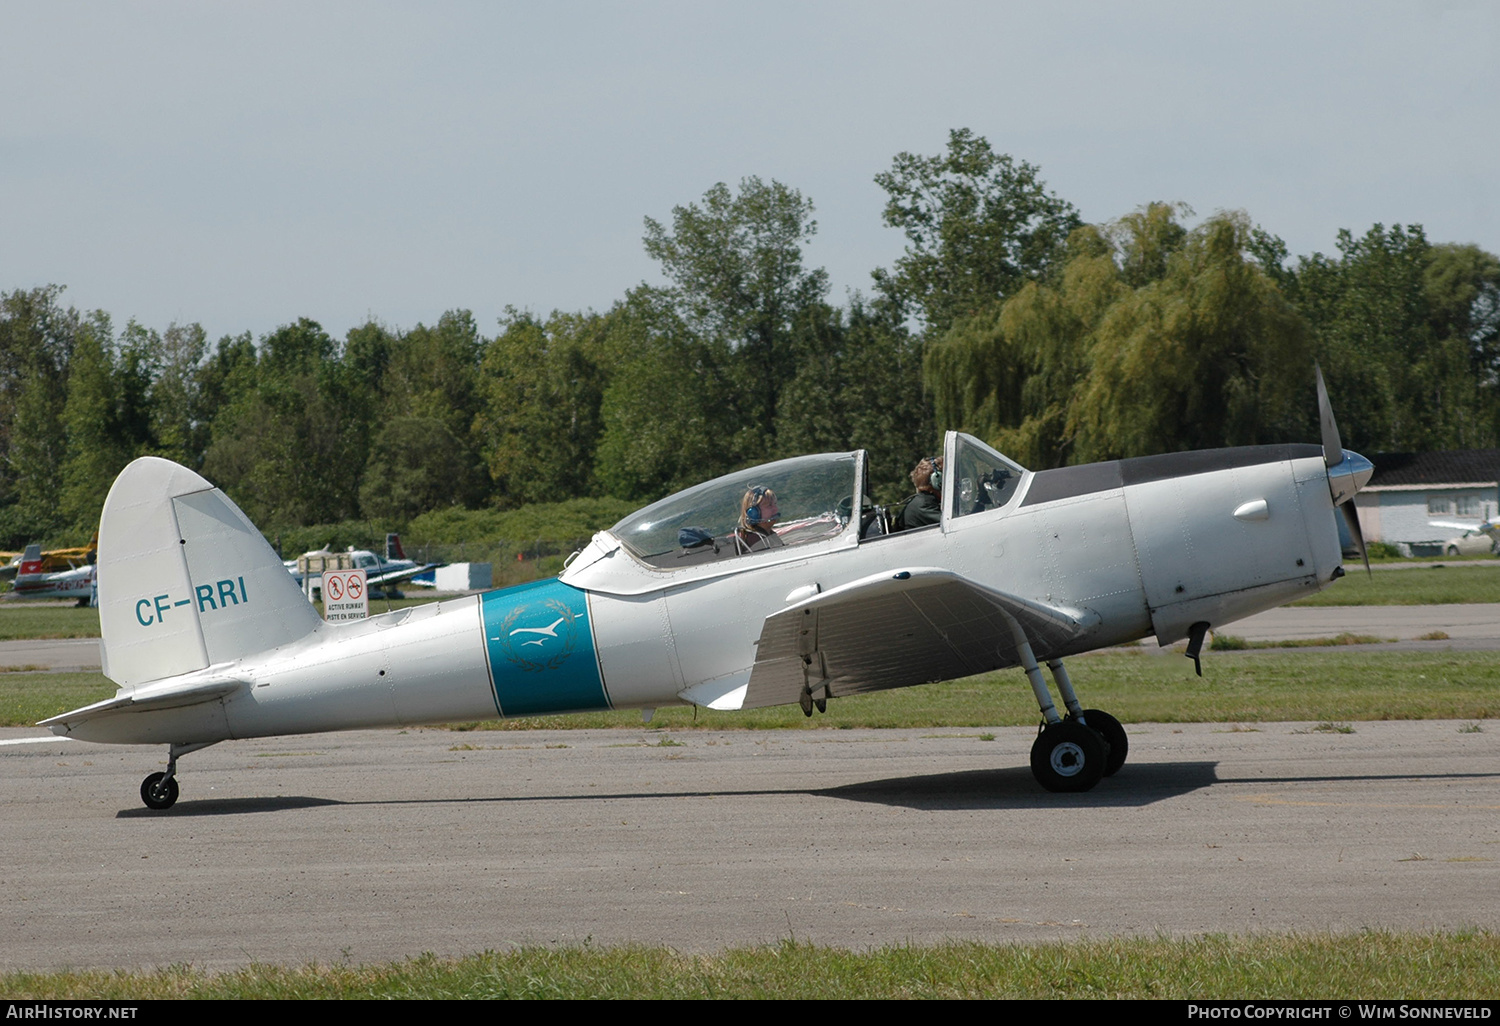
point(1145, 546)
point(77, 583)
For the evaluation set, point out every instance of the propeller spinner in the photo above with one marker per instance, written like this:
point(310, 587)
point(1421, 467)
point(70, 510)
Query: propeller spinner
point(1348, 472)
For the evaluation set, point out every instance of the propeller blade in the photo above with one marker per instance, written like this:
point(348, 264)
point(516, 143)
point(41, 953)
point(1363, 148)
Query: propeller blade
point(1333, 446)
point(1351, 518)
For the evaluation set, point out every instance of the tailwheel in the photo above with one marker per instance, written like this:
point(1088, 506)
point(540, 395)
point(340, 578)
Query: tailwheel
point(159, 791)
point(1108, 728)
point(1068, 757)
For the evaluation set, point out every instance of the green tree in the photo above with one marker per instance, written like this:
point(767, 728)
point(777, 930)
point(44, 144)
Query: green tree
point(542, 384)
point(1463, 302)
point(416, 465)
point(425, 385)
point(107, 417)
point(1462, 283)
point(1011, 375)
point(1209, 354)
point(735, 263)
point(290, 443)
point(1408, 334)
point(978, 226)
point(667, 413)
point(179, 421)
point(1152, 338)
point(36, 343)
point(858, 385)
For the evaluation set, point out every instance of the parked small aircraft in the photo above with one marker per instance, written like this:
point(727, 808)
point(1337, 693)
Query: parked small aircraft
point(52, 560)
point(759, 588)
point(33, 581)
point(382, 575)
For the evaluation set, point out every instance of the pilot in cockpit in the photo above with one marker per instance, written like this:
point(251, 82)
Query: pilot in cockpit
point(757, 520)
point(925, 508)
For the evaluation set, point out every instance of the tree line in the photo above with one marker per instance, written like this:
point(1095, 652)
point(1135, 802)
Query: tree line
point(1006, 316)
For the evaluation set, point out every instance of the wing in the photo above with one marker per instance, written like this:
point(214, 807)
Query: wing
point(1453, 525)
point(396, 576)
point(899, 628)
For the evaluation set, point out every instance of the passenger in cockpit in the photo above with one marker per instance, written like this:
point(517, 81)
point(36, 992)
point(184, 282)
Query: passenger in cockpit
point(758, 516)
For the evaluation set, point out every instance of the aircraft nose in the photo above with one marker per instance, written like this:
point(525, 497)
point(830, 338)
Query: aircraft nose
point(1348, 476)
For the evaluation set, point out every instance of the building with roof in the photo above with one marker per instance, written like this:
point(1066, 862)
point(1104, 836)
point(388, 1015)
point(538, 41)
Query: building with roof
point(1410, 490)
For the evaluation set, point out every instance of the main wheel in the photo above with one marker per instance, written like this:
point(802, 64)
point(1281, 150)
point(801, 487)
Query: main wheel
point(159, 792)
point(1452, 550)
point(1107, 727)
point(1068, 756)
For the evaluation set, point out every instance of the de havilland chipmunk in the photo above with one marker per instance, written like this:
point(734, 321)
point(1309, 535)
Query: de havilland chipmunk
point(768, 586)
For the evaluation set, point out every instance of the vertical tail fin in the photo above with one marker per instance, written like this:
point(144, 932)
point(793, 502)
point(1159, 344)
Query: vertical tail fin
point(185, 580)
point(393, 548)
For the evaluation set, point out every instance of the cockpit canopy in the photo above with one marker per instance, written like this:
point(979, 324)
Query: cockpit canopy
point(813, 499)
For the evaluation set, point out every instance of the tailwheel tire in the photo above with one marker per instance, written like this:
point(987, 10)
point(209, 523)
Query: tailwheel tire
point(158, 791)
point(1068, 757)
point(1107, 727)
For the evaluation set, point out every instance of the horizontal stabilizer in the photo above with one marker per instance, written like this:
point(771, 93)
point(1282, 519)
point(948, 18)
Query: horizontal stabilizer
point(900, 628)
point(167, 695)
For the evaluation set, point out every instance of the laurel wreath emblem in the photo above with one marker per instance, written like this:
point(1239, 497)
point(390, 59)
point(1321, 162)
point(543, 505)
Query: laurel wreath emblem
point(567, 634)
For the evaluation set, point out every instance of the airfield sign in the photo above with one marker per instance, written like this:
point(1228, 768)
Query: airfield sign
point(345, 596)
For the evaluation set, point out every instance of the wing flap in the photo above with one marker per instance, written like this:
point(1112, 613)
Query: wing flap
point(900, 628)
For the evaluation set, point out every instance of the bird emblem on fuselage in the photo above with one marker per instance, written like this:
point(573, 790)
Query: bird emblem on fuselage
point(538, 648)
point(550, 631)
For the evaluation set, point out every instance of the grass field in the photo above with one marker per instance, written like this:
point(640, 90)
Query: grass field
point(1354, 683)
point(59, 620)
point(1368, 965)
point(1417, 586)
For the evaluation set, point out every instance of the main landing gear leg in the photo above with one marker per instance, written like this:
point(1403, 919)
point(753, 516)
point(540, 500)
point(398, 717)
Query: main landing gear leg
point(1067, 756)
point(1116, 742)
point(159, 790)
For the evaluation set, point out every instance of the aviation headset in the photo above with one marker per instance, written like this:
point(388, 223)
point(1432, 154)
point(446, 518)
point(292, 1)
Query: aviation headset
point(936, 481)
point(752, 511)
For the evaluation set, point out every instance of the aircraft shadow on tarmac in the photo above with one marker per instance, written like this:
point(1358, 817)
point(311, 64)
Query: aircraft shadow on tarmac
point(1008, 788)
point(232, 807)
point(1014, 787)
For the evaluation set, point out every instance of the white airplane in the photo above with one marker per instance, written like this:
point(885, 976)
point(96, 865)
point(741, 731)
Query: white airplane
point(717, 597)
point(35, 582)
point(381, 574)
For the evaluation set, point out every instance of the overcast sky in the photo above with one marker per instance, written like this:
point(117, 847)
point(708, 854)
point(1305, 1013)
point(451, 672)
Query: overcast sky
point(242, 165)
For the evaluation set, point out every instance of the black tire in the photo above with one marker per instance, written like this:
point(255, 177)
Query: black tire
point(1068, 757)
point(1115, 739)
point(158, 792)
point(1452, 550)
